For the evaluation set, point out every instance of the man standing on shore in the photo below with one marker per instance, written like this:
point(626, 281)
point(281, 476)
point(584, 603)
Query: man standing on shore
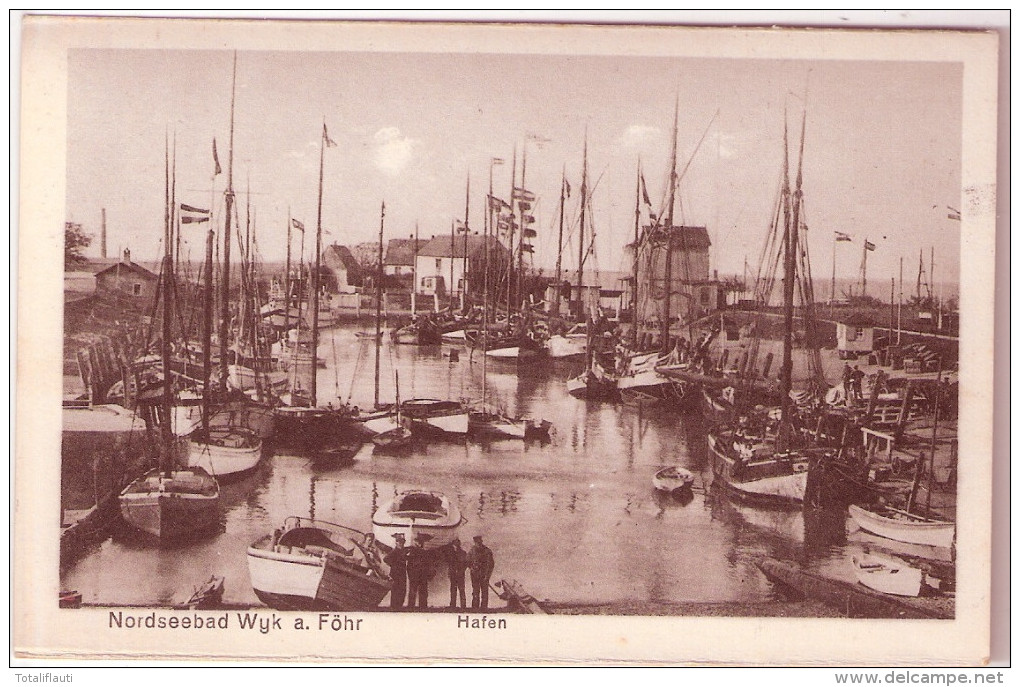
point(458, 563)
point(397, 560)
point(418, 574)
point(481, 562)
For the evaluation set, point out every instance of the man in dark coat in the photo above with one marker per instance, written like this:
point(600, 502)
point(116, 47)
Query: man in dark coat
point(481, 563)
point(418, 574)
point(457, 562)
point(397, 561)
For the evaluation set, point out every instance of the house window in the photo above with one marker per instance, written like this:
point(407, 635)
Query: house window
point(439, 263)
point(136, 289)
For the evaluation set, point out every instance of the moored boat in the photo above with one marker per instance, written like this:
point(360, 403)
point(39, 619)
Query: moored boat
point(672, 478)
point(752, 469)
point(227, 452)
point(436, 416)
point(905, 527)
point(316, 565)
point(415, 512)
point(887, 574)
point(172, 504)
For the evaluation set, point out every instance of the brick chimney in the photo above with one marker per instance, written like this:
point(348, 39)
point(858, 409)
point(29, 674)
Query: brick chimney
point(127, 255)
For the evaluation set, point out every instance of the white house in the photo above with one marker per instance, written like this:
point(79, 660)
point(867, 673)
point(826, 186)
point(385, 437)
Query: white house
point(441, 267)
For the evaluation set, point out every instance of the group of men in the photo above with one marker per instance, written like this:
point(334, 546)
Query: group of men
point(852, 382)
point(411, 567)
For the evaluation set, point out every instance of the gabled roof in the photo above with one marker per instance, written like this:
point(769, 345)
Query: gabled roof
point(401, 251)
point(129, 266)
point(92, 265)
point(606, 280)
point(439, 246)
point(335, 255)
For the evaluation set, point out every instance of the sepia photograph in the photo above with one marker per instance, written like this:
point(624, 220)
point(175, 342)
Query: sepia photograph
point(504, 342)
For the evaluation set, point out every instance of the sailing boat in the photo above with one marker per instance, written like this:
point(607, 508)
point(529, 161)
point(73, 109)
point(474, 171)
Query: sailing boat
point(756, 458)
point(311, 427)
point(168, 502)
point(639, 381)
point(230, 447)
point(572, 344)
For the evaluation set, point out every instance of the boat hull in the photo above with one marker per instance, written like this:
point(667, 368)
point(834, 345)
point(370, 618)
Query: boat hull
point(226, 453)
point(776, 482)
point(168, 515)
point(888, 575)
point(440, 523)
point(938, 534)
point(672, 479)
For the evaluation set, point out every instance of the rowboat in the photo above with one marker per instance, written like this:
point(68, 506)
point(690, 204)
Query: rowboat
point(417, 512)
point(672, 478)
point(905, 527)
point(435, 416)
point(887, 574)
point(313, 565)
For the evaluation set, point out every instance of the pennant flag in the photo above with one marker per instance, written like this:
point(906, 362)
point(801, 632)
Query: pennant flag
point(840, 236)
point(522, 194)
point(528, 219)
point(498, 161)
point(461, 229)
point(216, 159)
point(330, 143)
point(644, 192)
point(193, 215)
point(529, 233)
point(298, 225)
point(523, 205)
point(955, 214)
point(567, 184)
point(527, 248)
point(499, 204)
point(868, 245)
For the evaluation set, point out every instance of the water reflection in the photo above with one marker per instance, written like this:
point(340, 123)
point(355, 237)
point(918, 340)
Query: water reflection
point(576, 518)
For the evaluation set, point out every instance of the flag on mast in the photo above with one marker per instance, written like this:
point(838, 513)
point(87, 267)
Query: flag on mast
point(840, 236)
point(868, 245)
point(216, 159)
point(298, 225)
point(193, 215)
point(644, 192)
point(567, 184)
point(330, 143)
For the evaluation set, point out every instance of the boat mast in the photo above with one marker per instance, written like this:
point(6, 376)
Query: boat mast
point(414, 270)
point(580, 244)
point(378, 301)
point(668, 273)
point(559, 247)
point(792, 218)
point(315, 274)
point(207, 313)
point(286, 279)
point(637, 254)
point(510, 240)
point(229, 211)
point(463, 274)
point(166, 434)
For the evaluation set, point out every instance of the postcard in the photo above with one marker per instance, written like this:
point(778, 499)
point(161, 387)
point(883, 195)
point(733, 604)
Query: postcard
point(512, 343)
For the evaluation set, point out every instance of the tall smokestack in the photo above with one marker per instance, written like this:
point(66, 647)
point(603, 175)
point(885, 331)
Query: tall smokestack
point(102, 235)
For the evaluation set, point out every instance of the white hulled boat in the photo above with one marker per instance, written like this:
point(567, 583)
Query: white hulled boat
point(316, 565)
point(416, 512)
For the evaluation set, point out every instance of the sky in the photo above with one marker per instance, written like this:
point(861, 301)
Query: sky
point(881, 162)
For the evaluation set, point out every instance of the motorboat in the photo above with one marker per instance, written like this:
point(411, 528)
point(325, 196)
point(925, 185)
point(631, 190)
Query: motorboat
point(415, 512)
point(313, 565)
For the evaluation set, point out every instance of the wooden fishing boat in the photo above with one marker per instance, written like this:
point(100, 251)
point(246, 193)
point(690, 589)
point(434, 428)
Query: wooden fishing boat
point(672, 478)
point(434, 416)
point(172, 504)
point(887, 574)
point(337, 456)
point(313, 565)
point(396, 440)
point(415, 512)
point(904, 527)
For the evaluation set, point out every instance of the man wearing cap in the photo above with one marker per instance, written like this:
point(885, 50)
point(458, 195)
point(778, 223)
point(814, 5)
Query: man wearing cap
point(397, 560)
point(457, 562)
point(481, 563)
point(418, 573)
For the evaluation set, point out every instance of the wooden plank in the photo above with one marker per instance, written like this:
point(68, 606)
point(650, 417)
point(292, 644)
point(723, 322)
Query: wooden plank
point(853, 599)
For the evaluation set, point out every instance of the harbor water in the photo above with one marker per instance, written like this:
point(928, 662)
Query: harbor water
point(575, 519)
